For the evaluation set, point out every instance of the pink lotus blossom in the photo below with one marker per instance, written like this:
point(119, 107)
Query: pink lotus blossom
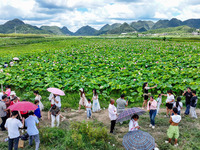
point(157, 62)
point(29, 64)
point(7, 73)
point(53, 64)
point(22, 69)
point(124, 67)
point(134, 79)
point(181, 69)
point(1, 70)
point(38, 57)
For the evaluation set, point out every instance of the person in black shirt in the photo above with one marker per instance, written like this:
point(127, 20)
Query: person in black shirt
point(146, 94)
point(188, 96)
point(193, 105)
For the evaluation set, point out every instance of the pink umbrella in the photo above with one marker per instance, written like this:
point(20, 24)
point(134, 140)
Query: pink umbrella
point(23, 106)
point(56, 91)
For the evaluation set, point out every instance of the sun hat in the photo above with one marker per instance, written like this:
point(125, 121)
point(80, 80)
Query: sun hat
point(12, 93)
point(81, 89)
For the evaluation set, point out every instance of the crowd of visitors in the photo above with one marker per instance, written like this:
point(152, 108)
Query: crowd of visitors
point(15, 120)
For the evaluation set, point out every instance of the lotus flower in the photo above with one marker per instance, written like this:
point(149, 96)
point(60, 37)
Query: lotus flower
point(22, 69)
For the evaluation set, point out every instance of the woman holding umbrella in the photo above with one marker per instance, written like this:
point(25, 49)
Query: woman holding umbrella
point(83, 100)
point(146, 94)
point(56, 93)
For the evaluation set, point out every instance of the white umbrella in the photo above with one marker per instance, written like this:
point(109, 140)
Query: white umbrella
point(15, 58)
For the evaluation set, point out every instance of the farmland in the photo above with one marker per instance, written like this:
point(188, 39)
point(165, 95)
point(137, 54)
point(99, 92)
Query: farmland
point(109, 65)
point(112, 66)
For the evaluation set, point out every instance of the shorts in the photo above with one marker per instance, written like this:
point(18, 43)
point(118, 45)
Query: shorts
point(146, 97)
point(173, 131)
point(169, 106)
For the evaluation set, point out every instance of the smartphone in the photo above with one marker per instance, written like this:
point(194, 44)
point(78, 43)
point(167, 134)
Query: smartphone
point(127, 100)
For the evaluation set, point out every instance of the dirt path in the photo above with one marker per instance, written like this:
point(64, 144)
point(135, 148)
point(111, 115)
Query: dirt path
point(102, 116)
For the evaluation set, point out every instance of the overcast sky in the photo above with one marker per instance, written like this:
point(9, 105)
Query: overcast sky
point(77, 13)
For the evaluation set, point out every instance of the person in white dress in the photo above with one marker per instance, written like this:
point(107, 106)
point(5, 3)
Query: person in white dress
point(96, 105)
point(159, 102)
point(38, 97)
point(83, 100)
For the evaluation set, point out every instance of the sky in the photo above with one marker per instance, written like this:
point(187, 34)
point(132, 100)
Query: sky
point(77, 13)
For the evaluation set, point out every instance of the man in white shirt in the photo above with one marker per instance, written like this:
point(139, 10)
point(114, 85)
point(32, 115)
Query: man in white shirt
point(13, 125)
point(112, 114)
point(57, 101)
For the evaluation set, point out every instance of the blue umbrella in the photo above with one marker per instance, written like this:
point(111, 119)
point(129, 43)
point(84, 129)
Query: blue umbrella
point(138, 140)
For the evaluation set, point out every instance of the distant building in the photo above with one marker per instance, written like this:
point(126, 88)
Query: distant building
point(195, 33)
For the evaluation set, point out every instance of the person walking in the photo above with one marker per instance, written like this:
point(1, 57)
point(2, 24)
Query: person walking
point(88, 108)
point(32, 130)
point(39, 98)
point(112, 114)
point(3, 112)
point(57, 102)
point(146, 94)
point(96, 105)
point(54, 112)
point(83, 100)
point(193, 105)
point(152, 108)
point(188, 96)
point(38, 112)
point(13, 125)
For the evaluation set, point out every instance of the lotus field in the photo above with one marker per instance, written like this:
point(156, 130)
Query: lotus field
point(109, 65)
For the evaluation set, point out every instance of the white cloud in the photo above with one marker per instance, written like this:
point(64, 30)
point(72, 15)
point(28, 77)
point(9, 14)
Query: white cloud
point(77, 13)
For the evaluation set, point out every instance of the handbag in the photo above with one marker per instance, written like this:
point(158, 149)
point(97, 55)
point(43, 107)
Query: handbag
point(21, 144)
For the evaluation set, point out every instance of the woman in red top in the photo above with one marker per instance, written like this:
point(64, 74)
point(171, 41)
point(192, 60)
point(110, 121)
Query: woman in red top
point(14, 100)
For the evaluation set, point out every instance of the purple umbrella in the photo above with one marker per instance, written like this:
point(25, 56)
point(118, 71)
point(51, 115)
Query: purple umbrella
point(127, 114)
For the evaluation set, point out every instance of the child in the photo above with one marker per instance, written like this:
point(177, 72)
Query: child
point(159, 102)
point(193, 105)
point(179, 105)
point(37, 112)
point(133, 124)
point(54, 112)
point(173, 128)
point(88, 108)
